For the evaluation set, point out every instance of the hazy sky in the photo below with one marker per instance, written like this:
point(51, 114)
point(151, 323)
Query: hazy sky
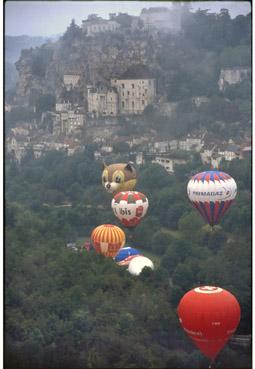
point(44, 18)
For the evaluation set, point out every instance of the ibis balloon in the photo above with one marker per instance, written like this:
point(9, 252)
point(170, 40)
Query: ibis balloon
point(130, 207)
point(137, 264)
point(108, 239)
point(209, 315)
point(125, 255)
point(212, 193)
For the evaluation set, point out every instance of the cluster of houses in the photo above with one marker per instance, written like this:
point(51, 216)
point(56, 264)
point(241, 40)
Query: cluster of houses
point(165, 153)
point(149, 147)
point(127, 97)
point(25, 139)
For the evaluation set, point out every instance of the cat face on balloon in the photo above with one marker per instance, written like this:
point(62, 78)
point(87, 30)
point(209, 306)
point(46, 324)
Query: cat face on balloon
point(119, 177)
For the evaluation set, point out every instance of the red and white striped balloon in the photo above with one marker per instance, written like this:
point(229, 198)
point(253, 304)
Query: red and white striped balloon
point(108, 239)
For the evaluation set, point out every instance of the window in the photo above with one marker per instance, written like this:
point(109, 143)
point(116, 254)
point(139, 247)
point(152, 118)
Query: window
point(122, 93)
point(123, 86)
point(128, 92)
point(111, 112)
point(143, 102)
point(133, 104)
point(123, 104)
point(133, 86)
point(146, 90)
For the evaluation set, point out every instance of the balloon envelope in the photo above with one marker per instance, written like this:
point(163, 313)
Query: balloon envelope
point(212, 193)
point(126, 261)
point(209, 315)
point(119, 177)
point(108, 239)
point(137, 264)
point(125, 252)
point(130, 207)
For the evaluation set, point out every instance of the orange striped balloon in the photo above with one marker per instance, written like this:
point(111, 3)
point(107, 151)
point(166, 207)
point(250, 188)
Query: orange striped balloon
point(108, 239)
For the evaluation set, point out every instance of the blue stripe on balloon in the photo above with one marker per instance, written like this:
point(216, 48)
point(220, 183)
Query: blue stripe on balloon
point(212, 206)
point(220, 210)
point(212, 176)
point(203, 178)
point(204, 211)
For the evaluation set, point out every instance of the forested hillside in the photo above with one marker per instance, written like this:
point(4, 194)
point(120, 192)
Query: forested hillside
point(67, 309)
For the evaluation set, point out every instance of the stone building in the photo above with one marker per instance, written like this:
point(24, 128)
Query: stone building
point(168, 163)
point(198, 100)
point(94, 25)
point(232, 76)
point(61, 106)
point(191, 144)
point(71, 121)
point(134, 94)
point(229, 152)
point(102, 101)
point(139, 158)
point(71, 80)
point(162, 18)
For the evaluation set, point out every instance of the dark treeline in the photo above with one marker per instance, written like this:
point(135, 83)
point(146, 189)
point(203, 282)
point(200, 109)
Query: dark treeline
point(66, 309)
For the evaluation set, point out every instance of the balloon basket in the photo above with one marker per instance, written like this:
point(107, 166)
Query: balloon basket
point(130, 235)
point(212, 364)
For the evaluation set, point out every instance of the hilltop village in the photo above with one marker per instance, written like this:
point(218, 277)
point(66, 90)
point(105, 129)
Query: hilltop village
point(109, 84)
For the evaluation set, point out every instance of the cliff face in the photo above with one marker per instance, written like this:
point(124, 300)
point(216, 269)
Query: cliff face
point(96, 59)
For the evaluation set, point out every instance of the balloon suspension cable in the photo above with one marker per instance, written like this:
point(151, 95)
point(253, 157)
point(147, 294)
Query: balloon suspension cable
point(130, 235)
point(212, 364)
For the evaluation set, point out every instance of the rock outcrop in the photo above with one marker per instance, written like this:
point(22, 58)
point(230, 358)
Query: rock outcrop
point(98, 59)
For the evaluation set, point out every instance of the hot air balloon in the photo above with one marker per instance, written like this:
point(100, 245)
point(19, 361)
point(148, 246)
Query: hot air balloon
point(209, 315)
point(125, 255)
point(130, 207)
point(108, 239)
point(119, 177)
point(137, 264)
point(212, 193)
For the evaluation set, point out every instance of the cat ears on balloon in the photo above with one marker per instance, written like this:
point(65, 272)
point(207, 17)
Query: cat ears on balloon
point(129, 166)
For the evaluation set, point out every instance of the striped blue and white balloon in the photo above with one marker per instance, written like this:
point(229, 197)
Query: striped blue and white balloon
point(212, 192)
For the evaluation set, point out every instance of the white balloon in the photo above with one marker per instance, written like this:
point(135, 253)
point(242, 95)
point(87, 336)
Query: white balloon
point(137, 264)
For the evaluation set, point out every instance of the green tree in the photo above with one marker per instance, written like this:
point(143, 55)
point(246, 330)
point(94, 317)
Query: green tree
point(189, 225)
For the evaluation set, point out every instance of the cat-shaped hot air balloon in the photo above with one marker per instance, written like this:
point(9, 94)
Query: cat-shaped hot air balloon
point(119, 177)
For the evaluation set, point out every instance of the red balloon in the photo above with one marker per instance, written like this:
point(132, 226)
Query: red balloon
point(209, 315)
